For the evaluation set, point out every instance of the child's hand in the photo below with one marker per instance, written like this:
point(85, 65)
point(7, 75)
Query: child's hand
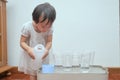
point(31, 54)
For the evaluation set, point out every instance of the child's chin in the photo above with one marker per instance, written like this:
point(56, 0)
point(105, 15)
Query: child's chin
point(42, 31)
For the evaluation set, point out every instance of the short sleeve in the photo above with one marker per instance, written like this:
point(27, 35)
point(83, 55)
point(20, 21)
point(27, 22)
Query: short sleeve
point(25, 31)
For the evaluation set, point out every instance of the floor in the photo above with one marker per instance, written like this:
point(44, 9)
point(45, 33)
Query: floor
point(114, 77)
point(16, 77)
point(114, 74)
point(13, 74)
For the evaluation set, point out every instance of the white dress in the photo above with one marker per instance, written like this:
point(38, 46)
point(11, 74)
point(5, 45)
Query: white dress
point(34, 38)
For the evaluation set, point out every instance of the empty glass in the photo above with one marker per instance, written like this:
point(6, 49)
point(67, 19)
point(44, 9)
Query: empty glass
point(58, 59)
point(67, 60)
point(76, 58)
point(85, 62)
point(92, 55)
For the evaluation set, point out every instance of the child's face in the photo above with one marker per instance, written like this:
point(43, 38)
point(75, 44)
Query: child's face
point(43, 26)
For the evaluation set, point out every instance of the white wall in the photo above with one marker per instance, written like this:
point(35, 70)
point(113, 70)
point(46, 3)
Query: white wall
point(80, 24)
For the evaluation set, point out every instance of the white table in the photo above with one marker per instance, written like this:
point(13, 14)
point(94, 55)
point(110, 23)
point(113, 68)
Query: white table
point(75, 73)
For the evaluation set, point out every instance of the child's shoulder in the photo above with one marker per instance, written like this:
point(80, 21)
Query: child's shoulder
point(27, 23)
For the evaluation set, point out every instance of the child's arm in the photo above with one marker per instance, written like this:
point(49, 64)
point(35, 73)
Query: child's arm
point(27, 48)
point(48, 46)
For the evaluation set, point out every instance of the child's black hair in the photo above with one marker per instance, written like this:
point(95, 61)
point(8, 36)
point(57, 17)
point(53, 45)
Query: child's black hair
point(45, 9)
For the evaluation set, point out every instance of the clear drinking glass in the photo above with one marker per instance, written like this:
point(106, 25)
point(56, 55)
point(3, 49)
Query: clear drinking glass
point(92, 56)
point(76, 58)
point(58, 59)
point(67, 61)
point(85, 62)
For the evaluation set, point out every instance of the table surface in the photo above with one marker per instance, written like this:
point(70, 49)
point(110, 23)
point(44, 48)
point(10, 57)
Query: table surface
point(94, 69)
point(75, 73)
